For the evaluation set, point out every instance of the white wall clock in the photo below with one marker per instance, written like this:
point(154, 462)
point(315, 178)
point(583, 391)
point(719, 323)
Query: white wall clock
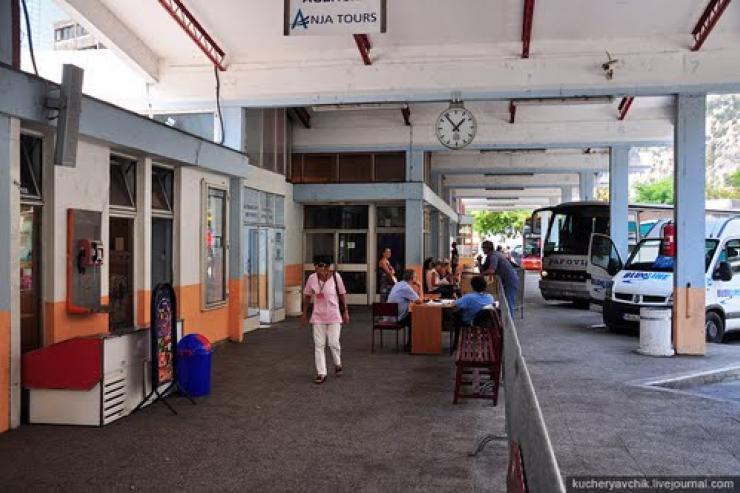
point(456, 127)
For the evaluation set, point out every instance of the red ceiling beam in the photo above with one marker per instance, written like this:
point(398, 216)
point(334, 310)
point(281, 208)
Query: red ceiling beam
point(625, 105)
point(707, 21)
point(512, 112)
point(527, 27)
point(406, 112)
point(363, 44)
point(197, 33)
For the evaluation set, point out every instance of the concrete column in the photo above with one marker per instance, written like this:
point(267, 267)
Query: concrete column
point(237, 279)
point(143, 242)
point(415, 165)
point(587, 185)
point(619, 198)
point(444, 238)
point(434, 233)
point(689, 176)
point(235, 127)
point(566, 194)
point(10, 333)
point(415, 236)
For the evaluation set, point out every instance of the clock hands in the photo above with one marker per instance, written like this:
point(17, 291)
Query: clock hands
point(455, 128)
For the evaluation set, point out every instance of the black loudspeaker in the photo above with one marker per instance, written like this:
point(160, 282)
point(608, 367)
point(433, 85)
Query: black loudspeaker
point(69, 104)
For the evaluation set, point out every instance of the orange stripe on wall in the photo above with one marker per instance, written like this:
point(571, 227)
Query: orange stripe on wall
point(4, 371)
point(143, 307)
point(212, 323)
point(294, 275)
point(237, 288)
point(61, 325)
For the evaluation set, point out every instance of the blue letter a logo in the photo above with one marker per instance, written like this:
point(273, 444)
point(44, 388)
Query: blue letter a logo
point(300, 20)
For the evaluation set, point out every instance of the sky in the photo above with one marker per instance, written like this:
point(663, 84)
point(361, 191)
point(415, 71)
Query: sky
point(43, 14)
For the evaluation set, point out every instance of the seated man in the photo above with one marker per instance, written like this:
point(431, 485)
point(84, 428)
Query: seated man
point(403, 293)
point(471, 304)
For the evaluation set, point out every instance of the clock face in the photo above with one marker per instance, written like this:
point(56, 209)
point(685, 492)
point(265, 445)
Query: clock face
point(456, 127)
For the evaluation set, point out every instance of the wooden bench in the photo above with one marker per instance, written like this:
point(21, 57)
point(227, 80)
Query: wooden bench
point(479, 358)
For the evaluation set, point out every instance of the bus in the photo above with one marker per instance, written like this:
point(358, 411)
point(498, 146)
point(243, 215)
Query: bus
point(532, 244)
point(565, 249)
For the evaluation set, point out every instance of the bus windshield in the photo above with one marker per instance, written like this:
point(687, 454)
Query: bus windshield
point(648, 256)
point(569, 233)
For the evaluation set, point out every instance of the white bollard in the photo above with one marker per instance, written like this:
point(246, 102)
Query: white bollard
point(293, 301)
point(655, 332)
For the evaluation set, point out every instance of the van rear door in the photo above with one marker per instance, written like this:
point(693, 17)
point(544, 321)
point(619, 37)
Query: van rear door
point(603, 264)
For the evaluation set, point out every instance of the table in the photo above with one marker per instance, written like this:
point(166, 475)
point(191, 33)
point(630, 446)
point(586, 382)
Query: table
point(426, 326)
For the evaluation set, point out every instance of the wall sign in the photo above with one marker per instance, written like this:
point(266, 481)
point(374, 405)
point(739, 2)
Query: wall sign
point(334, 17)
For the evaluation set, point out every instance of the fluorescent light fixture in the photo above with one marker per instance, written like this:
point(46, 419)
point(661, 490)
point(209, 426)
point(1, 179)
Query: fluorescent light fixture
point(359, 107)
point(505, 188)
point(508, 173)
point(564, 101)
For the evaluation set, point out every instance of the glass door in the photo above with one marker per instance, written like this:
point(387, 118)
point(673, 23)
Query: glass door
point(121, 274)
point(278, 269)
point(161, 251)
point(251, 258)
point(30, 260)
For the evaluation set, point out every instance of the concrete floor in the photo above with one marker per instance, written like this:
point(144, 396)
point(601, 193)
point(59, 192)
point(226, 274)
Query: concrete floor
point(387, 425)
point(601, 421)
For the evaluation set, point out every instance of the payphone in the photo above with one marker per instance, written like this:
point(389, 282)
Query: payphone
point(84, 261)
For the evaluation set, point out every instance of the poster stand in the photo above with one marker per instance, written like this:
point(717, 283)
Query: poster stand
point(163, 348)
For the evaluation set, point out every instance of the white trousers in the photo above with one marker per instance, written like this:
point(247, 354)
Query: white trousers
point(322, 333)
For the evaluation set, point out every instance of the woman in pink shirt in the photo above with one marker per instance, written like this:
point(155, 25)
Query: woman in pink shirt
point(329, 311)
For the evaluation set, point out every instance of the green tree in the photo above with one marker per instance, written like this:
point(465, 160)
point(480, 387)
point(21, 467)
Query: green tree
point(655, 192)
point(733, 180)
point(506, 223)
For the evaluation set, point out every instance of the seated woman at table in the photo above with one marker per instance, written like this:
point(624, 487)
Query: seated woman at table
point(403, 293)
point(471, 304)
point(441, 280)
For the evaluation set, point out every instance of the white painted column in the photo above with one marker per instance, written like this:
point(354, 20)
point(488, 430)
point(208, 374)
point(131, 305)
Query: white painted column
point(587, 185)
point(415, 165)
point(619, 197)
point(414, 244)
point(237, 282)
point(235, 127)
point(143, 241)
point(10, 323)
point(689, 176)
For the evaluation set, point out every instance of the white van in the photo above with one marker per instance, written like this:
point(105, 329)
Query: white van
point(647, 277)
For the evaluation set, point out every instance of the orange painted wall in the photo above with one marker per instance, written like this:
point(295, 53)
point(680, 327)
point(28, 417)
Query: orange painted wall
point(61, 325)
point(4, 371)
point(237, 290)
point(294, 275)
point(143, 307)
point(212, 323)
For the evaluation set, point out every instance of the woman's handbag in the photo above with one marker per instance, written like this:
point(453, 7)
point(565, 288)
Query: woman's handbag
point(339, 297)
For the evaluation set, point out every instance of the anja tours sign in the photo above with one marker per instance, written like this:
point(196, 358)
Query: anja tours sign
point(334, 17)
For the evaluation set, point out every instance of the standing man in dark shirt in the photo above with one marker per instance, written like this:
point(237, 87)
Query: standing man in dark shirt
point(496, 263)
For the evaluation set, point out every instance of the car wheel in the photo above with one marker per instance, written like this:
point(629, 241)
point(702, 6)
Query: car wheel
point(714, 327)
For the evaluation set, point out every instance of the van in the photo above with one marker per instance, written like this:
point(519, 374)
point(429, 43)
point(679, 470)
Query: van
point(646, 279)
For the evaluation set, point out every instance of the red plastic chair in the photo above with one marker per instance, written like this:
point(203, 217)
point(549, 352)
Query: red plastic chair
point(385, 317)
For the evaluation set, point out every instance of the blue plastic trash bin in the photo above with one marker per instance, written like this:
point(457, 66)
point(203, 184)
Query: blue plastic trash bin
point(194, 365)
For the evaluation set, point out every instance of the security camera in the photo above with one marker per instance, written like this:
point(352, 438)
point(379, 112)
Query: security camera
point(607, 66)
